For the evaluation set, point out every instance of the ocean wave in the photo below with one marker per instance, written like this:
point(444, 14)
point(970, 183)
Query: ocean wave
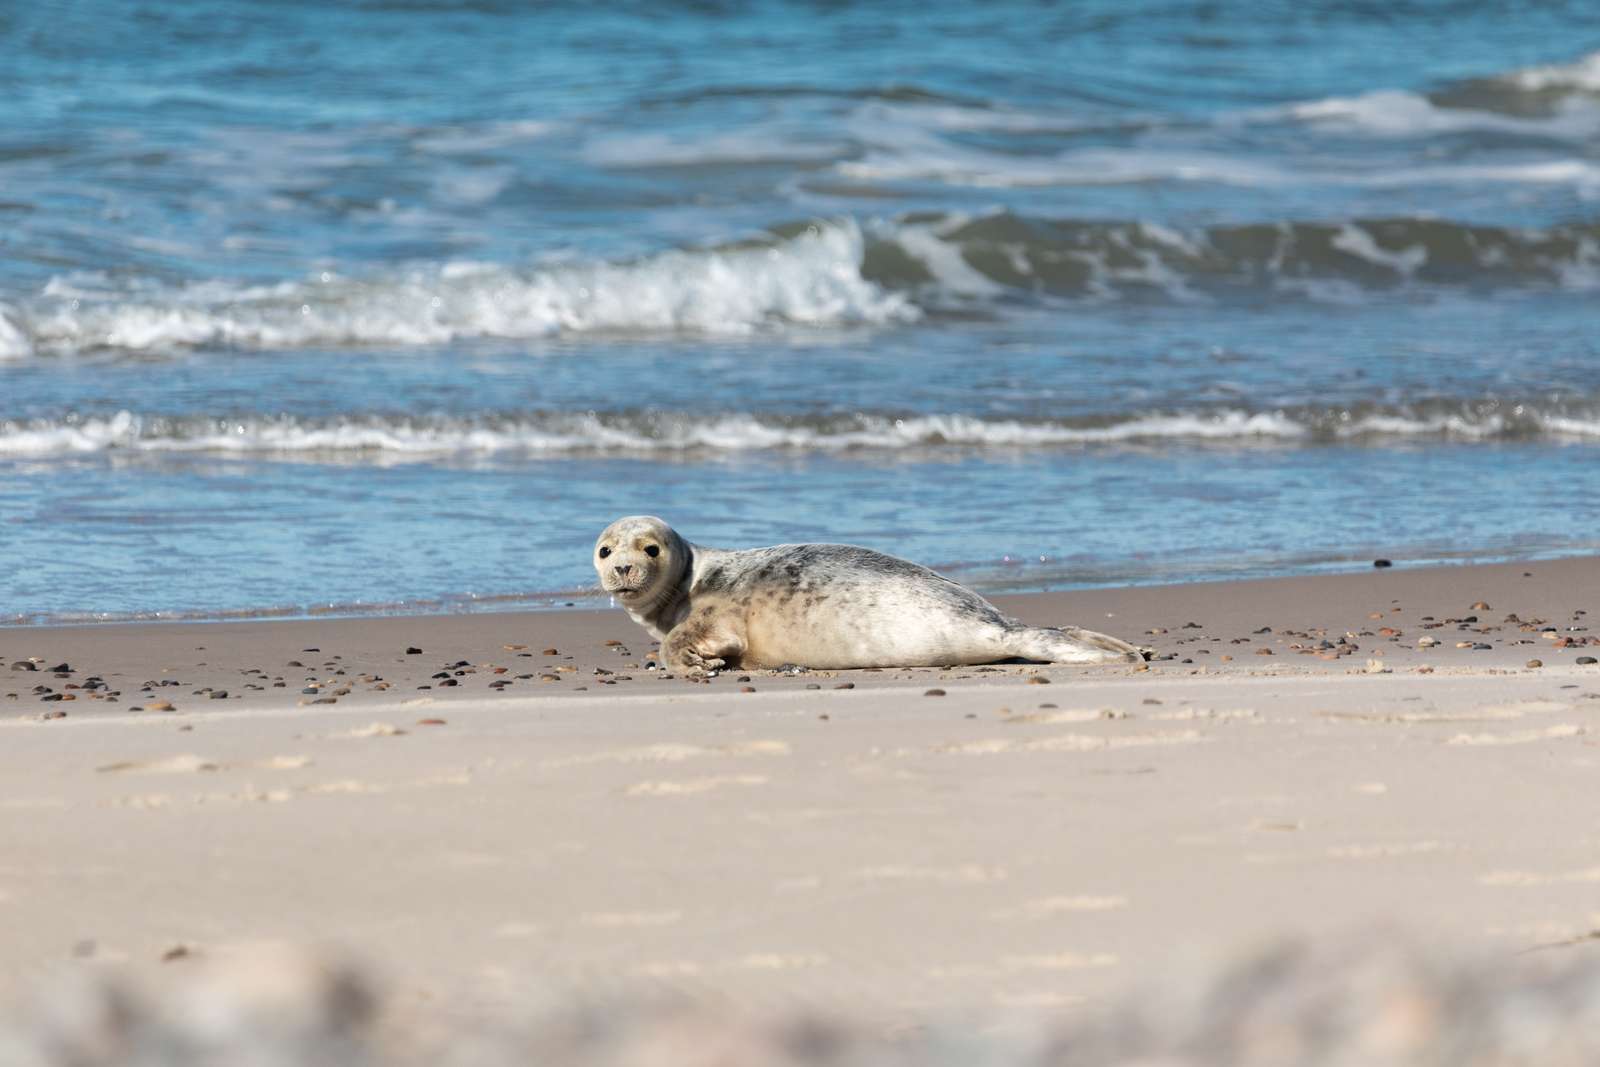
point(397, 438)
point(810, 278)
point(817, 275)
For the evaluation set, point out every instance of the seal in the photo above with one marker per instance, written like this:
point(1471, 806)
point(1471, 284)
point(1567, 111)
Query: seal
point(821, 606)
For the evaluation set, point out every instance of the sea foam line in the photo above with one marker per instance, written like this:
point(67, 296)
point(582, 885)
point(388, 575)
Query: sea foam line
point(403, 438)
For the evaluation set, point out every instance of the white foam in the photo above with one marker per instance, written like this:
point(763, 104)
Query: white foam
point(1582, 74)
point(14, 343)
point(1397, 113)
point(1360, 243)
point(811, 280)
point(759, 145)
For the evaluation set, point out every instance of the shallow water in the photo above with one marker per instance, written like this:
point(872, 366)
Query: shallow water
point(385, 306)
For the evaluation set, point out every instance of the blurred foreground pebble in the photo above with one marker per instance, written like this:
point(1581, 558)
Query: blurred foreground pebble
point(1369, 1002)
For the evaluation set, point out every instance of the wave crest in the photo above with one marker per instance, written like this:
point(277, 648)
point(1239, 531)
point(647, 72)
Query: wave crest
point(394, 438)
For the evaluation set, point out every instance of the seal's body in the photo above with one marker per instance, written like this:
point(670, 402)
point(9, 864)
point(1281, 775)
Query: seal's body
point(820, 606)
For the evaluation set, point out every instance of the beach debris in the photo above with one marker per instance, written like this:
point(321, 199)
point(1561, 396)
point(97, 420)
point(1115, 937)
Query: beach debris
point(431, 722)
point(1534, 664)
point(61, 668)
point(1264, 652)
point(1377, 666)
point(160, 705)
point(1383, 563)
point(413, 650)
point(613, 643)
point(1481, 606)
point(513, 648)
point(57, 714)
point(1038, 679)
point(934, 693)
point(1427, 642)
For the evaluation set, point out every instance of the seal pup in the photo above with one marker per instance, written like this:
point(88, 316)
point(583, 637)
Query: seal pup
point(822, 606)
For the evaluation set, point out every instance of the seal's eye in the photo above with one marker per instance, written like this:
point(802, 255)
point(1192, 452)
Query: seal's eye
point(604, 552)
point(652, 551)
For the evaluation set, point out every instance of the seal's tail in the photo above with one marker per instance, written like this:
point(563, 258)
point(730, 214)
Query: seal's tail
point(1069, 645)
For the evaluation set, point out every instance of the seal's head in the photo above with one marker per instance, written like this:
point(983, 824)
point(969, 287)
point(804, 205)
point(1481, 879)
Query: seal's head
point(638, 558)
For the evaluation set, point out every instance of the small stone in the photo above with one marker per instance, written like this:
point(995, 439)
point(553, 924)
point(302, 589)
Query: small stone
point(413, 650)
point(160, 705)
point(934, 693)
point(551, 652)
point(61, 668)
point(1377, 666)
point(1383, 563)
point(1427, 642)
point(326, 700)
point(24, 665)
point(1264, 652)
point(294, 663)
point(845, 685)
point(1533, 664)
point(549, 677)
point(513, 648)
point(1038, 679)
point(747, 689)
point(813, 685)
point(1584, 661)
point(176, 952)
point(1481, 606)
point(219, 694)
point(743, 678)
point(431, 722)
point(613, 644)
point(310, 691)
point(54, 715)
point(1226, 659)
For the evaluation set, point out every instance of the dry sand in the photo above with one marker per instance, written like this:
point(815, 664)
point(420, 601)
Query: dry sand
point(1035, 839)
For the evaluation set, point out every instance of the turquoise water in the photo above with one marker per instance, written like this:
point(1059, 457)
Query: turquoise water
point(392, 306)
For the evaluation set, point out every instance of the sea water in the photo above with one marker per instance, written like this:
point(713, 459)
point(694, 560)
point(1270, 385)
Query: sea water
point(393, 305)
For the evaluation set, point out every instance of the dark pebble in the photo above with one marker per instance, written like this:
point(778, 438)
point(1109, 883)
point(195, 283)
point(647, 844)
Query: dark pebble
point(845, 685)
point(219, 694)
point(813, 685)
point(1584, 661)
point(449, 681)
point(61, 668)
point(934, 693)
point(747, 689)
point(413, 650)
point(24, 665)
point(310, 691)
point(54, 715)
point(326, 700)
point(1382, 563)
point(294, 663)
point(50, 696)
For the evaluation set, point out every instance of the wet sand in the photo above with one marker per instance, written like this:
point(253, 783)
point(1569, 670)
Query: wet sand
point(923, 844)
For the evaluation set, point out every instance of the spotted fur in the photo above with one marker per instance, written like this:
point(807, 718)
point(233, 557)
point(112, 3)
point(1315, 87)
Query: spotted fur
point(816, 605)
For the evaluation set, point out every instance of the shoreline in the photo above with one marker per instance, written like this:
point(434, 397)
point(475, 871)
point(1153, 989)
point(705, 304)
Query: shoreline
point(791, 840)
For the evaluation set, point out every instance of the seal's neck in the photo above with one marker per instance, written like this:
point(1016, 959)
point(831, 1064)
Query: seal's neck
point(671, 604)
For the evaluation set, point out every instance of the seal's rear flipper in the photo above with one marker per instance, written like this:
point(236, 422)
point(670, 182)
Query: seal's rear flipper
point(1069, 644)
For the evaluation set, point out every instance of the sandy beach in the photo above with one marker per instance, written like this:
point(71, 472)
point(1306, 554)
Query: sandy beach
point(1298, 761)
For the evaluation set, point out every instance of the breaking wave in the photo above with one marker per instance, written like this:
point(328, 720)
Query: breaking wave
point(398, 438)
point(810, 278)
point(813, 275)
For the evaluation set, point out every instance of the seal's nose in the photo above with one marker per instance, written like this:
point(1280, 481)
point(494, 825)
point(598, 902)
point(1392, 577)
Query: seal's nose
point(621, 570)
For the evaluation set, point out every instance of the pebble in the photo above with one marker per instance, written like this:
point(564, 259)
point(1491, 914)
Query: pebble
point(747, 689)
point(613, 644)
point(845, 685)
point(413, 650)
point(1038, 679)
point(1533, 663)
point(1427, 642)
point(61, 668)
point(24, 665)
point(1481, 606)
point(934, 693)
point(1383, 563)
point(431, 722)
point(219, 694)
point(551, 652)
point(326, 700)
point(1264, 652)
point(1584, 661)
point(54, 715)
point(813, 685)
point(160, 705)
